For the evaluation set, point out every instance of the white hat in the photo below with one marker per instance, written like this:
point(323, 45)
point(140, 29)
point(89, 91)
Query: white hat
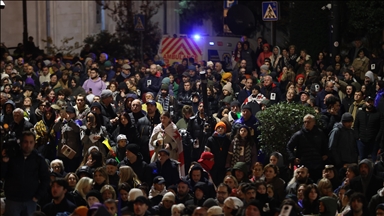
point(91, 148)
point(169, 196)
point(215, 211)
point(233, 203)
point(134, 193)
point(121, 137)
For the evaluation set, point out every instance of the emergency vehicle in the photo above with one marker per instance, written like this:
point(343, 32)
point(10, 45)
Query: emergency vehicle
point(198, 47)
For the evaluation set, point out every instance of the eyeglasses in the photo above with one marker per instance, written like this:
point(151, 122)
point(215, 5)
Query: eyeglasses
point(56, 167)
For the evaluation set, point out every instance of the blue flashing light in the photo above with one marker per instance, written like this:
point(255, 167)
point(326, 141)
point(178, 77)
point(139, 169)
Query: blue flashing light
point(196, 37)
point(211, 43)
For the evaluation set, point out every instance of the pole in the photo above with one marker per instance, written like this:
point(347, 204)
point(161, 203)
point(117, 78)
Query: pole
point(165, 17)
point(141, 47)
point(335, 20)
point(273, 33)
point(25, 23)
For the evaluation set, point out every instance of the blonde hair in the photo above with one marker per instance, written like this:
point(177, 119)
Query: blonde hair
point(324, 183)
point(108, 188)
point(127, 174)
point(82, 184)
point(233, 178)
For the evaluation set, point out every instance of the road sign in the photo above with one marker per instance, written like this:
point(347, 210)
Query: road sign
point(270, 11)
point(229, 3)
point(139, 22)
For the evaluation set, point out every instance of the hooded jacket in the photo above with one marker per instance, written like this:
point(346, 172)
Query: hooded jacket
point(342, 144)
point(263, 55)
point(243, 167)
point(330, 206)
point(210, 188)
point(375, 201)
point(7, 118)
point(97, 86)
point(368, 185)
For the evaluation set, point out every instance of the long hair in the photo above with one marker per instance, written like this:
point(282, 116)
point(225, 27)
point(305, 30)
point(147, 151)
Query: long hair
point(82, 184)
point(109, 188)
point(103, 172)
point(127, 175)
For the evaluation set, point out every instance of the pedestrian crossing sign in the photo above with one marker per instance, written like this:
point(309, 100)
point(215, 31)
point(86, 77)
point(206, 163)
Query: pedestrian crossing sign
point(139, 22)
point(270, 11)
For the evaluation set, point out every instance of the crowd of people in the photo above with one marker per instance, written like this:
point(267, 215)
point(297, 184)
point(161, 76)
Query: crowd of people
point(96, 135)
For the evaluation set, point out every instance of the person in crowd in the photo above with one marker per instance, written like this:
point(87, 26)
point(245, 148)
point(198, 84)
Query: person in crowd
point(23, 192)
point(311, 156)
point(165, 166)
point(60, 203)
point(94, 85)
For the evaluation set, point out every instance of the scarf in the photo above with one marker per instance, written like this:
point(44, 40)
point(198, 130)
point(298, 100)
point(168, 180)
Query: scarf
point(379, 95)
point(215, 134)
point(164, 101)
point(237, 144)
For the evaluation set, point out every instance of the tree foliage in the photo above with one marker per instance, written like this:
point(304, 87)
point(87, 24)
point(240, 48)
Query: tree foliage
point(105, 42)
point(366, 15)
point(122, 12)
point(65, 49)
point(309, 26)
point(279, 122)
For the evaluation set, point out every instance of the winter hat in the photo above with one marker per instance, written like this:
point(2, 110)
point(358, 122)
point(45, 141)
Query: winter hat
point(299, 76)
point(164, 86)
point(165, 151)
point(9, 58)
point(347, 117)
point(222, 124)
point(264, 67)
point(87, 60)
point(199, 185)
point(330, 69)
point(95, 193)
point(369, 74)
point(209, 203)
point(214, 211)
point(106, 93)
point(169, 196)
point(134, 193)
point(226, 76)
point(159, 180)
point(121, 137)
point(233, 203)
point(90, 98)
point(179, 207)
point(228, 87)
point(29, 81)
point(70, 109)
point(91, 148)
point(81, 211)
point(96, 104)
point(134, 148)
point(166, 80)
point(107, 64)
point(248, 107)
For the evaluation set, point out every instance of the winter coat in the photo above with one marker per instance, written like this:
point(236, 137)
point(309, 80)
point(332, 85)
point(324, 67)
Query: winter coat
point(369, 126)
point(342, 145)
point(369, 185)
point(328, 120)
point(210, 191)
point(169, 135)
point(155, 85)
point(243, 167)
point(87, 135)
point(219, 147)
point(129, 130)
point(25, 177)
point(69, 135)
point(360, 66)
point(169, 170)
point(310, 147)
point(145, 129)
point(272, 93)
point(375, 201)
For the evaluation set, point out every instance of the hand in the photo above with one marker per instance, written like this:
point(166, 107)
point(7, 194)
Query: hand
point(167, 146)
point(324, 157)
point(97, 137)
point(90, 163)
point(122, 94)
point(89, 125)
point(4, 155)
point(297, 161)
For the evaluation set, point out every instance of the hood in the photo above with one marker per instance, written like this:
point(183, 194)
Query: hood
point(242, 166)
point(369, 164)
point(9, 102)
point(370, 75)
point(267, 45)
point(338, 125)
point(278, 48)
point(196, 167)
point(330, 205)
point(76, 79)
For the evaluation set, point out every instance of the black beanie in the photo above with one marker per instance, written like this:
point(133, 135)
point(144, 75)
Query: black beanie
point(95, 193)
point(134, 148)
point(96, 104)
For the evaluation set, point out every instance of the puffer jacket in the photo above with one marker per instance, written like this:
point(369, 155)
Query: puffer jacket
point(145, 129)
point(369, 125)
point(70, 136)
point(310, 147)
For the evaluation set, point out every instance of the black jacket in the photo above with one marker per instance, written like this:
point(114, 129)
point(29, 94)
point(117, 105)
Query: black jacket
point(219, 147)
point(25, 178)
point(369, 126)
point(145, 128)
point(310, 147)
point(169, 170)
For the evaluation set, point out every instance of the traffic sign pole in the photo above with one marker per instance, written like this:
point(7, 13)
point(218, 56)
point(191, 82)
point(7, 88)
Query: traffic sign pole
point(271, 13)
